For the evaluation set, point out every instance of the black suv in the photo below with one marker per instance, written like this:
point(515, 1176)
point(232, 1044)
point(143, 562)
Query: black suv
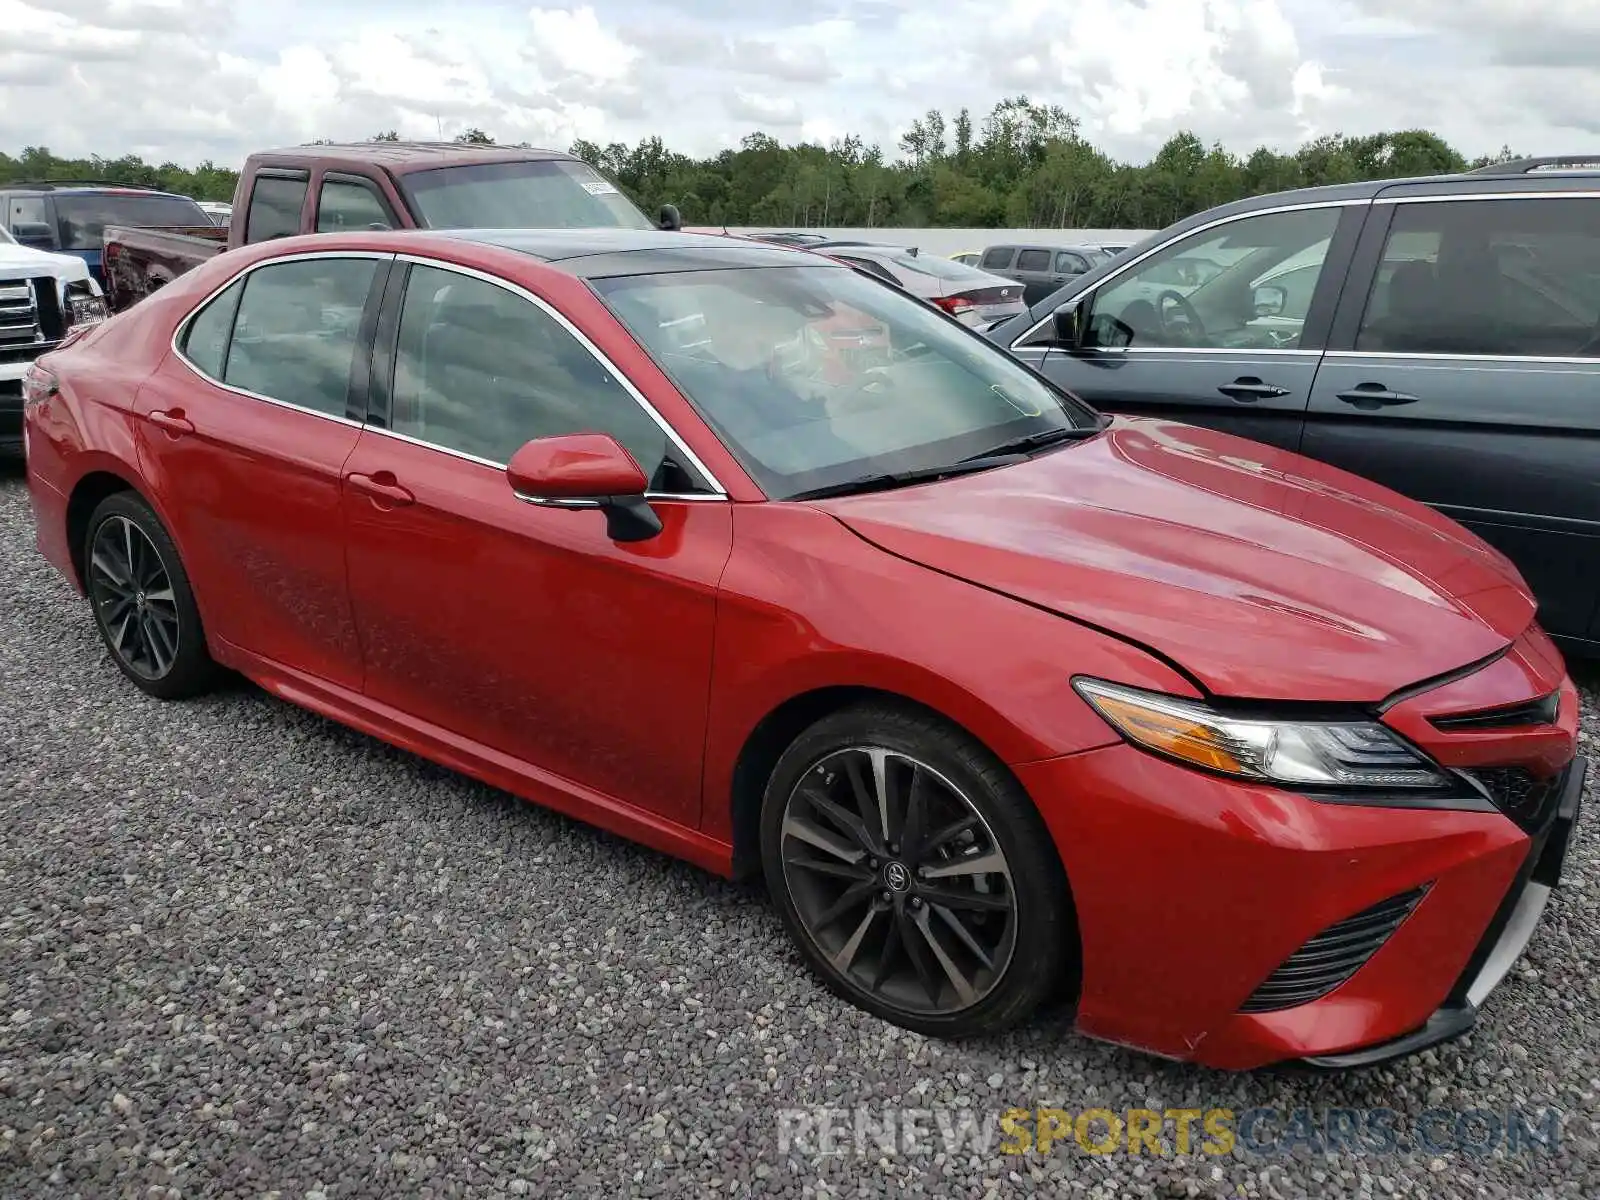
point(1440, 336)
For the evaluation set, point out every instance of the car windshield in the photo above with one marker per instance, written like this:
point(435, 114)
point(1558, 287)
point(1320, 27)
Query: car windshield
point(815, 376)
point(82, 218)
point(540, 194)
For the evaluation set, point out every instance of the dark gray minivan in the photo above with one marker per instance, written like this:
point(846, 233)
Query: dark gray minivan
point(1440, 336)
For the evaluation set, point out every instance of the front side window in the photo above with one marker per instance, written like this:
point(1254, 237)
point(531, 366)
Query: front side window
point(1068, 263)
point(1219, 288)
point(481, 370)
point(275, 203)
point(540, 194)
point(815, 376)
point(298, 329)
point(343, 206)
point(1503, 278)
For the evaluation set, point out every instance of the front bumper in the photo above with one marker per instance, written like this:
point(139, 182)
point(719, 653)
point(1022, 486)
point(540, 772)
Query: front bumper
point(1502, 943)
point(1192, 890)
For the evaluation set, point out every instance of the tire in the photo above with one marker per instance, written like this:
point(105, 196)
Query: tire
point(1031, 948)
point(148, 620)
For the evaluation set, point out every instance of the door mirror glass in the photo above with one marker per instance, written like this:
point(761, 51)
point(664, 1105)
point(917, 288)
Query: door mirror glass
point(575, 466)
point(1105, 332)
point(1271, 300)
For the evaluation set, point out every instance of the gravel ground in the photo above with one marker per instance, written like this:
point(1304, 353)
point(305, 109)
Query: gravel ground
point(246, 952)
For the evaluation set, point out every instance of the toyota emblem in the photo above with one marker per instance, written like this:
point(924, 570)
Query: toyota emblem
point(897, 877)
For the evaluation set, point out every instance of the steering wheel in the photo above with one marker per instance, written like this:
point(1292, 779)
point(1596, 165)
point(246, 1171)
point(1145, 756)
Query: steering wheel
point(1191, 331)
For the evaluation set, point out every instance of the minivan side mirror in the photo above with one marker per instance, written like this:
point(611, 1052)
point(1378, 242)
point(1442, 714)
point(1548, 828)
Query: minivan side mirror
point(586, 470)
point(1270, 300)
point(668, 218)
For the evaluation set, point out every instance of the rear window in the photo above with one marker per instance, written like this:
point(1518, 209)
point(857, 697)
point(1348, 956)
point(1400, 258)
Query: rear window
point(82, 217)
point(538, 194)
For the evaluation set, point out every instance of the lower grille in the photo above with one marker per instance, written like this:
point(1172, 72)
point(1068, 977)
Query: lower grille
point(1332, 956)
point(1520, 794)
point(19, 314)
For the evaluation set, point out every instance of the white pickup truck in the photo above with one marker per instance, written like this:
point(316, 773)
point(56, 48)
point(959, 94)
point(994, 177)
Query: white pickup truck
point(42, 296)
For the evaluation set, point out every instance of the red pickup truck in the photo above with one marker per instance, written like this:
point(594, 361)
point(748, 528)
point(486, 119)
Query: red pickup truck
point(387, 185)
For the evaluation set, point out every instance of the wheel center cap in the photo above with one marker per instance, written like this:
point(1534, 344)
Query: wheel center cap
point(139, 597)
point(897, 876)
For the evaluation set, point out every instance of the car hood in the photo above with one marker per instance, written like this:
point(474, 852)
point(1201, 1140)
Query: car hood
point(1260, 572)
point(22, 261)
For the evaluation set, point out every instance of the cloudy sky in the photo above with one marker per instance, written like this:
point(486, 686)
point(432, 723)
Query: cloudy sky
point(192, 79)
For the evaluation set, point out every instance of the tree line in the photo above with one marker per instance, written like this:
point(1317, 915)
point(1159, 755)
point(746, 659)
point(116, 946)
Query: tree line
point(1022, 165)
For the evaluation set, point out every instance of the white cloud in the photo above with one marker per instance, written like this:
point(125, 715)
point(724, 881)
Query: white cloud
point(189, 79)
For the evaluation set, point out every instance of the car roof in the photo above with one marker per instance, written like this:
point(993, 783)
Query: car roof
point(606, 253)
point(399, 158)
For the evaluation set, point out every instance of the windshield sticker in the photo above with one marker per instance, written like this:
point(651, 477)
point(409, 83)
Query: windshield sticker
point(598, 187)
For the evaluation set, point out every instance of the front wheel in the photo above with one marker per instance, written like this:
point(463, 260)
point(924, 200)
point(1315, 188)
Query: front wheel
point(142, 602)
point(915, 873)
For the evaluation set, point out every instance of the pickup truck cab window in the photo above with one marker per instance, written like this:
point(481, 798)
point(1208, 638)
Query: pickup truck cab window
point(275, 204)
point(297, 330)
point(552, 193)
point(350, 204)
point(480, 370)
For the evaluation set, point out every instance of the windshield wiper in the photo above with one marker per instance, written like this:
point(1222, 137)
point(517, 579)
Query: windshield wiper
point(1038, 440)
point(884, 480)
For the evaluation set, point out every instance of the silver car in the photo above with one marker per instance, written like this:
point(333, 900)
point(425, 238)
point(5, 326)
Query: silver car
point(973, 297)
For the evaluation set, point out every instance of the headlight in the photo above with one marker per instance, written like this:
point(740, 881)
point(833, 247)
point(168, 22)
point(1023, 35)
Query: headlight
point(1296, 753)
point(85, 309)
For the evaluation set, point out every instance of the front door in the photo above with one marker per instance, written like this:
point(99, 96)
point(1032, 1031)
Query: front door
point(1471, 381)
point(522, 628)
point(1222, 328)
point(244, 436)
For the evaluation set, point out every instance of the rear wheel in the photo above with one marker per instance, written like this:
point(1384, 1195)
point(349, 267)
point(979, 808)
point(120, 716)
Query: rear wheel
point(142, 602)
point(915, 873)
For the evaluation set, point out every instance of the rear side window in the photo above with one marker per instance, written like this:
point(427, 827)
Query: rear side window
point(345, 205)
point(1033, 260)
point(996, 258)
point(205, 343)
point(275, 204)
point(1498, 278)
point(27, 210)
point(297, 331)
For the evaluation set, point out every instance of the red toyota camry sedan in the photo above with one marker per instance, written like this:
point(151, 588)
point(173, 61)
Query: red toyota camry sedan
point(1242, 758)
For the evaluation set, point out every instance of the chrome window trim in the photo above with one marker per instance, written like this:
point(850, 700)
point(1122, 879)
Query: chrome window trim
point(718, 492)
point(1241, 351)
point(1447, 197)
point(1123, 268)
point(1519, 359)
point(194, 314)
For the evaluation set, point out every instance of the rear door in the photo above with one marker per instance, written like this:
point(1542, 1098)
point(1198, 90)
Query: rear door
point(1035, 271)
point(245, 430)
point(1221, 348)
point(1464, 371)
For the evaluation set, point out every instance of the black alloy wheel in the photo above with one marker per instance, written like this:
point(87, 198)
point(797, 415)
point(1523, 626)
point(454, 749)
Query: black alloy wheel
point(141, 599)
point(915, 873)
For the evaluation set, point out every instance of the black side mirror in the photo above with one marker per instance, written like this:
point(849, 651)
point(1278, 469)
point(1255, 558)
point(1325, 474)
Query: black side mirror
point(1064, 323)
point(33, 233)
point(668, 218)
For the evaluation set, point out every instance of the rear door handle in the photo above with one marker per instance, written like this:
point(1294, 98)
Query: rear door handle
point(1373, 396)
point(173, 420)
point(383, 486)
point(1247, 389)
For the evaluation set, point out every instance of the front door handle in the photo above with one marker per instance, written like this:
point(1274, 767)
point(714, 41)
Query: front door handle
point(1373, 396)
point(381, 485)
point(1247, 389)
point(172, 420)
